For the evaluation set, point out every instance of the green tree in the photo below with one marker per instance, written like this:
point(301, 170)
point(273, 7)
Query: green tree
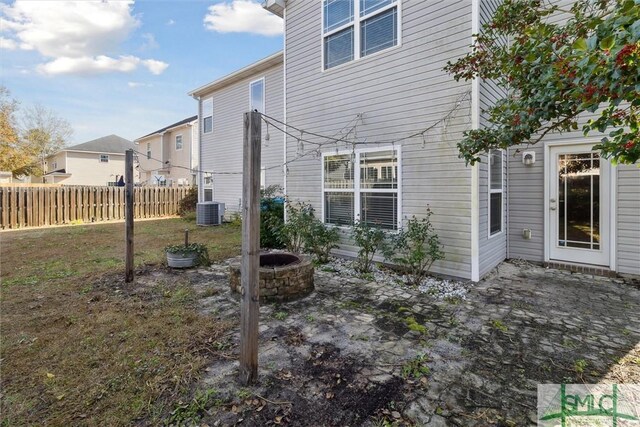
point(553, 72)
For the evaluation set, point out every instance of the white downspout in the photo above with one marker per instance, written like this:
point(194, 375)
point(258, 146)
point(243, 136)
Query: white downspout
point(475, 172)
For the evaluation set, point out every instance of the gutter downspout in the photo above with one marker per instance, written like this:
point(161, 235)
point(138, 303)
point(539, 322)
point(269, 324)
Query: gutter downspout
point(284, 73)
point(475, 172)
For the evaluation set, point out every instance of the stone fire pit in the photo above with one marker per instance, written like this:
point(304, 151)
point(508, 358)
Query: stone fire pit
point(284, 276)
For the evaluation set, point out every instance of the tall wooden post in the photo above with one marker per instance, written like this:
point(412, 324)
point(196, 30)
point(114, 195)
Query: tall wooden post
point(249, 309)
point(128, 215)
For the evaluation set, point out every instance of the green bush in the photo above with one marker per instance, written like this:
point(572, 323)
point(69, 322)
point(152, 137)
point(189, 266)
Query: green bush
point(294, 234)
point(320, 240)
point(415, 248)
point(271, 217)
point(370, 240)
point(188, 202)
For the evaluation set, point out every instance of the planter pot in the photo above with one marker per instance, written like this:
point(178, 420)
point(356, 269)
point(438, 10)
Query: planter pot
point(183, 260)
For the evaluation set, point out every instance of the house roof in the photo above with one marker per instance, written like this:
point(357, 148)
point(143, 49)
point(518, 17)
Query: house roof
point(171, 126)
point(243, 73)
point(106, 144)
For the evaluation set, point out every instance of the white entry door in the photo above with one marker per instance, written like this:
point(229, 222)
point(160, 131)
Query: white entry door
point(578, 205)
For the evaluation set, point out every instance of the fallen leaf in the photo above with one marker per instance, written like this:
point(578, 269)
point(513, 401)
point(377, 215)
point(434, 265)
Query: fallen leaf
point(396, 414)
point(234, 409)
point(60, 397)
point(50, 375)
point(260, 408)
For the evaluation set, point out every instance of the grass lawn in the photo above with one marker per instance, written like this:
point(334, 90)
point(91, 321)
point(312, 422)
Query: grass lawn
point(79, 346)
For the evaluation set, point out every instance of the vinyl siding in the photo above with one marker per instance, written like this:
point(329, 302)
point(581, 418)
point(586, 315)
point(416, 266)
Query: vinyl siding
point(86, 168)
point(398, 92)
point(628, 215)
point(493, 250)
point(221, 150)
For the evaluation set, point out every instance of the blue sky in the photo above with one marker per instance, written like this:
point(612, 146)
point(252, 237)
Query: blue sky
point(123, 67)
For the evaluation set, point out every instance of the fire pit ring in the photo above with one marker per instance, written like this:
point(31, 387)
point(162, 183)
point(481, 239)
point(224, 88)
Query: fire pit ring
point(284, 276)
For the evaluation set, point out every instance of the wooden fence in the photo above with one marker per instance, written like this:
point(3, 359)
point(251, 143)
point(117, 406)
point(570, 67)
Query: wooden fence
point(41, 206)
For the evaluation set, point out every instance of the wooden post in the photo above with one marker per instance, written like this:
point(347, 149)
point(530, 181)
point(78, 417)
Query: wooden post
point(128, 215)
point(249, 308)
point(186, 237)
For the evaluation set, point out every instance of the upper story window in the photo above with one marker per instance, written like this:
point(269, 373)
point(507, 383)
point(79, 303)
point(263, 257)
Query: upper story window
point(148, 150)
point(356, 28)
point(178, 142)
point(256, 101)
point(207, 115)
point(104, 158)
point(496, 183)
point(368, 192)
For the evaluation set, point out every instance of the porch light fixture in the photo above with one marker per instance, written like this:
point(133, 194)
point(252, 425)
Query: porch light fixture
point(528, 158)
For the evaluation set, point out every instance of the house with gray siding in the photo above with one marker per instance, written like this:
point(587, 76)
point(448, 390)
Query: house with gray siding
point(372, 126)
point(221, 105)
point(371, 72)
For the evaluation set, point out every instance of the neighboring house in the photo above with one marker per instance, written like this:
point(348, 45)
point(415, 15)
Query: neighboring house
point(364, 86)
point(98, 162)
point(169, 156)
point(221, 105)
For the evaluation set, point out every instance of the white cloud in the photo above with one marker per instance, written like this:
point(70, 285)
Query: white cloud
point(170, 22)
point(80, 37)
point(100, 64)
point(242, 16)
point(8, 44)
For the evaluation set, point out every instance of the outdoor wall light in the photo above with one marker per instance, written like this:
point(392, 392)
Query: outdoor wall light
point(528, 158)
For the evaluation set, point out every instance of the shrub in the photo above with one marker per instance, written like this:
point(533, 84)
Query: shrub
point(415, 247)
point(294, 233)
point(188, 202)
point(320, 240)
point(271, 217)
point(370, 240)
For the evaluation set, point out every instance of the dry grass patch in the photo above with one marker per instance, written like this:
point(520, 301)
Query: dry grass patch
point(81, 347)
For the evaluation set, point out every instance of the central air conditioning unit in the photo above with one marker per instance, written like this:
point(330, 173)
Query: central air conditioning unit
point(209, 213)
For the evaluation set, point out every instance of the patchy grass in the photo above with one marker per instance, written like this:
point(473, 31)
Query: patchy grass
point(81, 347)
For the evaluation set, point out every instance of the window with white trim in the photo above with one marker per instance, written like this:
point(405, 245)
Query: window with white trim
point(364, 192)
point(356, 28)
point(104, 158)
point(207, 115)
point(208, 188)
point(148, 150)
point(178, 142)
point(256, 95)
point(496, 184)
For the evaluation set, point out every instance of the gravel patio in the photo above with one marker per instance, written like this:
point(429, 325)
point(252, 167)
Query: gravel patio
point(360, 352)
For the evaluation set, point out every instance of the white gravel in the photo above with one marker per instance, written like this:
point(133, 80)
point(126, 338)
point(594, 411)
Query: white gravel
point(438, 288)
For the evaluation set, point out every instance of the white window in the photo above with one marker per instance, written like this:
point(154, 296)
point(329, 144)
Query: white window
point(104, 158)
point(54, 166)
point(496, 182)
point(208, 188)
point(207, 115)
point(361, 193)
point(353, 29)
point(148, 150)
point(256, 101)
point(178, 142)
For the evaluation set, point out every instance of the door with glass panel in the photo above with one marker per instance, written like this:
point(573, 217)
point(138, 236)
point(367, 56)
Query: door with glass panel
point(578, 206)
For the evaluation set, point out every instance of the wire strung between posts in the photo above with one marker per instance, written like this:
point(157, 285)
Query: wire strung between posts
point(329, 139)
